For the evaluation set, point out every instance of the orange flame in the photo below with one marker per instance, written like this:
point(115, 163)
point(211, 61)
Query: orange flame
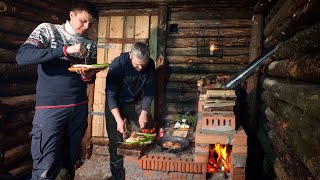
point(219, 159)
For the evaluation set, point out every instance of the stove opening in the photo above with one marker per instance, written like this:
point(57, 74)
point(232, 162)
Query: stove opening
point(219, 159)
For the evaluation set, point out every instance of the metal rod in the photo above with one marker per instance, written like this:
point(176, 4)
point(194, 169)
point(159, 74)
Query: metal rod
point(247, 72)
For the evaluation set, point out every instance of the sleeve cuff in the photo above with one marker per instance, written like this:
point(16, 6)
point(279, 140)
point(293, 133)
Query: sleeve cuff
point(84, 79)
point(65, 51)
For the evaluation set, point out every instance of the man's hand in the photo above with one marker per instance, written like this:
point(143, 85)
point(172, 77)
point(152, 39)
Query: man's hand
point(121, 126)
point(87, 75)
point(77, 48)
point(143, 118)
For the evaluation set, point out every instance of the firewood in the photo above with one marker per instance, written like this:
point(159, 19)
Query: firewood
point(17, 89)
point(234, 59)
point(306, 68)
point(7, 56)
point(221, 93)
point(288, 8)
point(14, 72)
point(304, 96)
point(305, 16)
point(303, 42)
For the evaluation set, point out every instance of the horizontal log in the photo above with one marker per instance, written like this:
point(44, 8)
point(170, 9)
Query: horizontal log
point(14, 72)
point(182, 97)
point(305, 158)
point(288, 8)
point(305, 69)
point(178, 59)
point(129, 12)
point(303, 96)
point(182, 87)
point(17, 119)
point(280, 171)
point(17, 89)
point(291, 163)
point(215, 23)
point(7, 56)
point(29, 13)
point(22, 170)
point(51, 7)
point(294, 119)
point(190, 78)
point(18, 103)
point(9, 40)
point(14, 138)
point(13, 156)
point(102, 141)
point(182, 108)
point(192, 51)
point(225, 13)
point(16, 26)
point(303, 42)
point(205, 68)
point(273, 11)
point(305, 16)
point(261, 7)
point(192, 42)
point(193, 33)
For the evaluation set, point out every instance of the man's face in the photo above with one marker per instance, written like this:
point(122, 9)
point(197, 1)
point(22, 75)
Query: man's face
point(80, 21)
point(138, 64)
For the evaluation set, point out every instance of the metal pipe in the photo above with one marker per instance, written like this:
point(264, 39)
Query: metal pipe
point(247, 72)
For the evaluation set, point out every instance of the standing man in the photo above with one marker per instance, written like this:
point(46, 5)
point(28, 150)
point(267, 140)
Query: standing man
point(130, 91)
point(61, 101)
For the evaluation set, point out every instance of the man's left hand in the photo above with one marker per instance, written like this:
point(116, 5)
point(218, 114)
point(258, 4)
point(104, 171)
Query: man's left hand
point(143, 118)
point(87, 75)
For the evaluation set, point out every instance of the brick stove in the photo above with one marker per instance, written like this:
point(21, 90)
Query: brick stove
point(216, 125)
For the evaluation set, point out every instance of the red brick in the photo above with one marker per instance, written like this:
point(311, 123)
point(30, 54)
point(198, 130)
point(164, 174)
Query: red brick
point(211, 138)
point(239, 138)
point(201, 157)
point(239, 149)
point(239, 177)
point(202, 148)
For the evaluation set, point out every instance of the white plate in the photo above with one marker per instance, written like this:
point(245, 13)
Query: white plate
point(87, 66)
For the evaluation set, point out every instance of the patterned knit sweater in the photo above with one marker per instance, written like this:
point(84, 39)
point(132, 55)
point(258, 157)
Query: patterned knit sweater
point(56, 86)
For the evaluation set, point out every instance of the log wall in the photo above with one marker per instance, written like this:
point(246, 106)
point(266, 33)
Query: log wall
point(288, 127)
point(185, 67)
point(17, 88)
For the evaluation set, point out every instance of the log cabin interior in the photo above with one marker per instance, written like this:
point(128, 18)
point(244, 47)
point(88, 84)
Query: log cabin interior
point(245, 73)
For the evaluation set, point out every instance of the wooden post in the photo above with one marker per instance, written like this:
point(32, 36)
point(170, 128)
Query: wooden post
point(161, 64)
point(255, 50)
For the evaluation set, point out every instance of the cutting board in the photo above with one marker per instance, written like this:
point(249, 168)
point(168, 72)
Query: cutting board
point(136, 150)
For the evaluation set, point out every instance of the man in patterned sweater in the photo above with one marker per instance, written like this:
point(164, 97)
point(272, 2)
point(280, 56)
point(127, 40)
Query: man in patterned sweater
point(61, 112)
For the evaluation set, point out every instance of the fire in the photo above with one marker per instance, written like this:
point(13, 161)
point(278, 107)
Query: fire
point(219, 159)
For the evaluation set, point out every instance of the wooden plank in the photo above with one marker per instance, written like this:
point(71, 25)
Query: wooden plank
point(192, 42)
point(178, 59)
point(127, 47)
point(122, 40)
point(205, 68)
point(141, 29)
point(129, 27)
point(129, 12)
point(17, 89)
point(103, 27)
point(99, 122)
point(223, 32)
point(221, 93)
point(116, 26)
point(16, 26)
point(101, 54)
point(192, 51)
point(99, 90)
point(114, 52)
point(135, 150)
point(214, 23)
point(153, 37)
point(7, 55)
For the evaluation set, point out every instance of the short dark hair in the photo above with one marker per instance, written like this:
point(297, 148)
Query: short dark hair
point(141, 51)
point(86, 6)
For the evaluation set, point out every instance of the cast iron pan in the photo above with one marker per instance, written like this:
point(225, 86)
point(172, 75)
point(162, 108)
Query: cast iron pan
point(183, 141)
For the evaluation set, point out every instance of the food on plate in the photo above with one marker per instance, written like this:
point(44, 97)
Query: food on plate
point(171, 145)
point(140, 138)
point(89, 67)
point(150, 131)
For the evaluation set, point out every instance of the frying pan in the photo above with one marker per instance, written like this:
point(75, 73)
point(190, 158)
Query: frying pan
point(183, 141)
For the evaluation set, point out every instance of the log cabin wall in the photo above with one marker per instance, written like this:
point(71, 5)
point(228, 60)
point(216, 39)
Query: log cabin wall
point(185, 67)
point(17, 88)
point(289, 121)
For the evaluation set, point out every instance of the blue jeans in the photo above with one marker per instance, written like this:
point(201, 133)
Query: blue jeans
point(56, 140)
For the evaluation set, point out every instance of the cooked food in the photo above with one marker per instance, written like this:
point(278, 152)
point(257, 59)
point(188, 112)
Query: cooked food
point(171, 145)
point(142, 138)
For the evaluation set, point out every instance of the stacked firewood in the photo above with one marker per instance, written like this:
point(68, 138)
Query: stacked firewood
point(291, 88)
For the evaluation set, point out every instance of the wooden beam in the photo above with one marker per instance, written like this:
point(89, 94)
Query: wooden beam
point(17, 137)
point(288, 9)
point(161, 78)
point(191, 78)
point(192, 42)
point(306, 68)
point(129, 12)
point(7, 55)
point(12, 41)
point(18, 119)
point(17, 89)
point(215, 23)
point(303, 42)
point(205, 68)
point(192, 51)
point(17, 103)
point(303, 17)
point(274, 10)
point(302, 95)
point(229, 32)
point(13, 156)
point(16, 26)
point(178, 59)
point(13, 72)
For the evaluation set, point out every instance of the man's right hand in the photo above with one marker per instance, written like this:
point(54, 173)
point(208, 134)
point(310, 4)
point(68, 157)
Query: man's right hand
point(77, 48)
point(121, 126)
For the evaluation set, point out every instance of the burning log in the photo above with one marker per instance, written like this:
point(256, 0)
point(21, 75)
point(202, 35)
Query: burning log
point(287, 9)
point(17, 89)
point(205, 68)
point(238, 59)
point(303, 42)
point(18, 103)
point(305, 69)
point(13, 72)
point(7, 56)
point(304, 96)
point(305, 16)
